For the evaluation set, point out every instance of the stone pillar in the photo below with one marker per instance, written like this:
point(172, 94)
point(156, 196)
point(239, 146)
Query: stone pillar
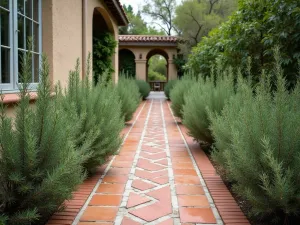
point(140, 69)
point(172, 70)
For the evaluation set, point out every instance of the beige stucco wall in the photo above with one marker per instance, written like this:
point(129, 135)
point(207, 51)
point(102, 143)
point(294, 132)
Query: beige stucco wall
point(141, 64)
point(62, 34)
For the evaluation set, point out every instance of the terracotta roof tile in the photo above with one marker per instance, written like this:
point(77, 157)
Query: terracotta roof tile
point(147, 38)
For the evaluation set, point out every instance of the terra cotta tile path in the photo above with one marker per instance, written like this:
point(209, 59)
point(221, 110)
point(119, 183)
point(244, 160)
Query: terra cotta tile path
point(160, 176)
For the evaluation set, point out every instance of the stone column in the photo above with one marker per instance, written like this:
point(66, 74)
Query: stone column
point(172, 70)
point(140, 69)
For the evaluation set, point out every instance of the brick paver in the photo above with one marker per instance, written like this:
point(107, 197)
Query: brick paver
point(155, 180)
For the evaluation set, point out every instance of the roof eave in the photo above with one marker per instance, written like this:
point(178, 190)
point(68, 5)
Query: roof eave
point(121, 16)
point(136, 43)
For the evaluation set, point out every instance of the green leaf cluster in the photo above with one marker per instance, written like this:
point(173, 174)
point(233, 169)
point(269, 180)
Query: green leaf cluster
point(178, 92)
point(129, 94)
point(144, 88)
point(207, 95)
point(94, 115)
point(253, 31)
point(169, 86)
point(103, 50)
point(257, 144)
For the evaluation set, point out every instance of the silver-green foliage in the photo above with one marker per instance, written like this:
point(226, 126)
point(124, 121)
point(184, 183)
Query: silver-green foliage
point(178, 92)
point(169, 86)
point(208, 94)
point(39, 167)
point(130, 96)
point(144, 88)
point(94, 113)
point(258, 145)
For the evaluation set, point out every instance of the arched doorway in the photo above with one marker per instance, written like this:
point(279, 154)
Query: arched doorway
point(104, 45)
point(157, 69)
point(127, 62)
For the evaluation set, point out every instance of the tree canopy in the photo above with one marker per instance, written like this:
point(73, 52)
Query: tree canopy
point(137, 25)
point(253, 31)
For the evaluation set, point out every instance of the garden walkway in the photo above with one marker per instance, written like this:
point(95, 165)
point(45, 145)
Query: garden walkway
point(160, 176)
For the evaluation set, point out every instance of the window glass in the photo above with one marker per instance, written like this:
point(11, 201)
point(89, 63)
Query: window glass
point(28, 28)
point(21, 29)
point(20, 6)
point(24, 14)
point(36, 10)
point(4, 21)
point(4, 3)
point(5, 66)
point(28, 8)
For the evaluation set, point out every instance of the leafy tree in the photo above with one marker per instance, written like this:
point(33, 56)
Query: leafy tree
point(157, 68)
point(253, 31)
point(162, 11)
point(137, 25)
point(195, 18)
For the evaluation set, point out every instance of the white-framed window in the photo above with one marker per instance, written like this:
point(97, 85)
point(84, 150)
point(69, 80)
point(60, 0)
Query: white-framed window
point(19, 20)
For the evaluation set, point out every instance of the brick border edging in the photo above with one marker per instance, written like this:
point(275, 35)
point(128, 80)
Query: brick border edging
point(81, 195)
point(228, 208)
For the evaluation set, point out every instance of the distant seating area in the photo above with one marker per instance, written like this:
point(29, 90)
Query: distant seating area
point(157, 85)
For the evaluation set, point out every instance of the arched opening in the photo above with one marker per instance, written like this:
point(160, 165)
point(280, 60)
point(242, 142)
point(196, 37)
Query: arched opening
point(104, 45)
point(157, 60)
point(127, 62)
point(157, 67)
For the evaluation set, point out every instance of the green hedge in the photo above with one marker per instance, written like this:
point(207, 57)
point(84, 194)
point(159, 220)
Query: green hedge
point(258, 145)
point(178, 92)
point(129, 94)
point(206, 95)
point(169, 86)
point(39, 166)
point(96, 119)
point(144, 88)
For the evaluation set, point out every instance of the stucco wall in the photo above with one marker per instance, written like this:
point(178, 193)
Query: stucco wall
point(62, 36)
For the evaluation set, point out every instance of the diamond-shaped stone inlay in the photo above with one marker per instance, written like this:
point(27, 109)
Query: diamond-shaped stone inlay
point(145, 164)
point(135, 199)
point(128, 221)
point(153, 212)
point(141, 185)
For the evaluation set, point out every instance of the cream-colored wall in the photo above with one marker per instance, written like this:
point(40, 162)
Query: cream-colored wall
point(62, 36)
point(141, 64)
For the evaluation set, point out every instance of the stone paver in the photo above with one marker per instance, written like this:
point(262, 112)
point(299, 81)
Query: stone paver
point(155, 179)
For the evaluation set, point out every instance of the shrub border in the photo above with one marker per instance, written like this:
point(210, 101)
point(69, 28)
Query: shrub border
point(228, 208)
point(75, 205)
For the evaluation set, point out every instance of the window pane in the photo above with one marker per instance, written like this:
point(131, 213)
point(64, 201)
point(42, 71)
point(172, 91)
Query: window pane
point(21, 31)
point(4, 22)
point(20, 67)
point(20, 6)
point(28, 8)
point(36, 10)
point(36, 68)
point(28, 31)
point(5, 66)
point(36, 37)
point(4, 3)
